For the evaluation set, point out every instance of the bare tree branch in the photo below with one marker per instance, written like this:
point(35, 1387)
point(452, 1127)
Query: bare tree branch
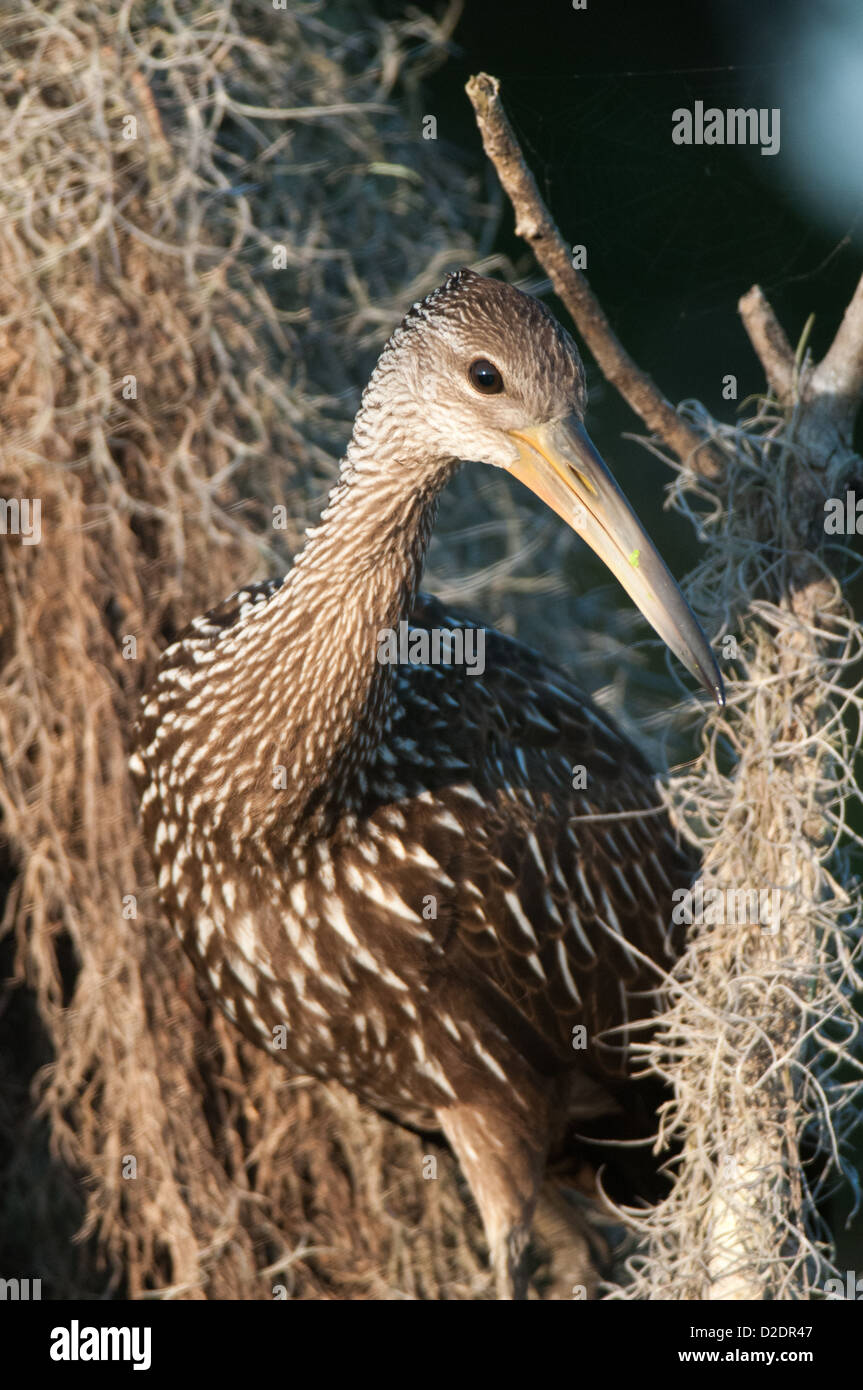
point(767, 336)
point(831, 391)
point(535, 223)
point(839, 375)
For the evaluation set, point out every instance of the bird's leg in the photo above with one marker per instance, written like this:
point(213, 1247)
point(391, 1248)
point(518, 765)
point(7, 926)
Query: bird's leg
point(504, 1169)
point(577, 1251)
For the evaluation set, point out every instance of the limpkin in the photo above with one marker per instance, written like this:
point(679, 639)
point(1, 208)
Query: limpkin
point(387, 874)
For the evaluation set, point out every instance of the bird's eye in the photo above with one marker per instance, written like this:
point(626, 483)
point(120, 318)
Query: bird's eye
point(485, 376)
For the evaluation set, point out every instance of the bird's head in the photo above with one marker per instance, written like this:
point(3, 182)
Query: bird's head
point(480, 371)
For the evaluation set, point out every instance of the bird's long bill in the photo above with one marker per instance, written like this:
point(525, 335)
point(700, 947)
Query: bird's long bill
point(560, 464)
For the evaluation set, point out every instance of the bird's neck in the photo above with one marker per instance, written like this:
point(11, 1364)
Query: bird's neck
point(311, 660)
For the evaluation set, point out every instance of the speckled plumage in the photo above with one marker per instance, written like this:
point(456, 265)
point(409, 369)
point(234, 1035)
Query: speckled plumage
point(387, 862)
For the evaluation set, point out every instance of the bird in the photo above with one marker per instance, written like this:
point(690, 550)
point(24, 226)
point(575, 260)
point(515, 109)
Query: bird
point(404, 851)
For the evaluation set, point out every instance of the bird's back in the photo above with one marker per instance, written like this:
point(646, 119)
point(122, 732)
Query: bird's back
point(487, 909)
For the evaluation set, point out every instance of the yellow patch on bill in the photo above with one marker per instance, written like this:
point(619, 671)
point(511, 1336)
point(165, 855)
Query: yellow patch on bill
point(634, 558)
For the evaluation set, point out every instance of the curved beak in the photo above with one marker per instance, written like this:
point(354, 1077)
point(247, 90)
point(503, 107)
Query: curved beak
point(560, 464)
